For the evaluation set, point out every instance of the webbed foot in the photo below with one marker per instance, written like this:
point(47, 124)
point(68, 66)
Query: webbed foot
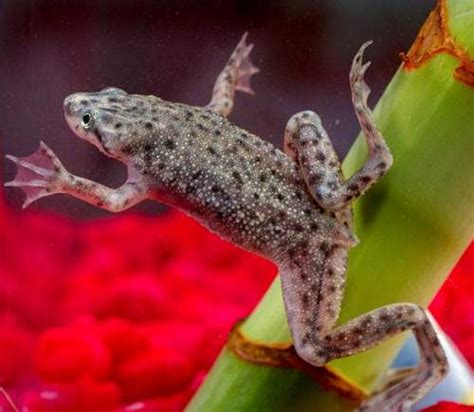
point(243, 66)
point(359, 87)
point(235, 76)
point(38, 175)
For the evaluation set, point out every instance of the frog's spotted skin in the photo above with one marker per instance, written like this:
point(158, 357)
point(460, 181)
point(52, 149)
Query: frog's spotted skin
point(293, 207)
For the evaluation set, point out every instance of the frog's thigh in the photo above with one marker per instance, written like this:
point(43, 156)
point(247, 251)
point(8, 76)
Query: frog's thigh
point(235, 76)
point(308, 143)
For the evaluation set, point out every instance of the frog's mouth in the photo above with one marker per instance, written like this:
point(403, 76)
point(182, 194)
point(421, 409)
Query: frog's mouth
point(99, 136)
point(101, 144)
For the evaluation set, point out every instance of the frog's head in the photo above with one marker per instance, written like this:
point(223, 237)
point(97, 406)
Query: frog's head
point(108, 119)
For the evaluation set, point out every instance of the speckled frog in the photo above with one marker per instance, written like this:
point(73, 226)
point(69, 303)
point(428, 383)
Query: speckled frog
point(293, 207)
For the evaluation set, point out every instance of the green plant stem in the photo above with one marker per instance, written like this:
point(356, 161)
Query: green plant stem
point(413, 227)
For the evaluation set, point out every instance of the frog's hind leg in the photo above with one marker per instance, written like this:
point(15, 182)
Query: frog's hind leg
point(308, 143)
point(406, 386)
point(368, 330)
point(312, 294)
point(235, 76)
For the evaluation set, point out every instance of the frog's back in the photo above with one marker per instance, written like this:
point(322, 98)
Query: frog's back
point(231, 180)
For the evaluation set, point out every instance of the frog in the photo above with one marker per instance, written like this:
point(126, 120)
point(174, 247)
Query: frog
point(292, 206)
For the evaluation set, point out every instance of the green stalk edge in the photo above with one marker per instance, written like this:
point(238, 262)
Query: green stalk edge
point(413, 226)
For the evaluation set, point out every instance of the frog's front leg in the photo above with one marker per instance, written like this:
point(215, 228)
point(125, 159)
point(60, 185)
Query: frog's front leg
point(308, 143)
point(42, 174)
point(235, 76)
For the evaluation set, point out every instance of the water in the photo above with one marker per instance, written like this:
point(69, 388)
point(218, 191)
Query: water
point(75, 282)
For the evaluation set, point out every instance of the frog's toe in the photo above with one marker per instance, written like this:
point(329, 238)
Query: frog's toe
point(37, 175)
point(359, 87)
point(33, 190)
point(245, 68)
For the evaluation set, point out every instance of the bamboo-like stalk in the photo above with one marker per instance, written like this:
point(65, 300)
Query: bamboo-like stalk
point(413, 225)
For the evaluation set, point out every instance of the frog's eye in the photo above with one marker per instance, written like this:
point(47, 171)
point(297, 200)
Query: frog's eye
point(87, 121)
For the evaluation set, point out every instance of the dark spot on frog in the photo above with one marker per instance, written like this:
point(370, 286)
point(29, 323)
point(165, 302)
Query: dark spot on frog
point(169, 144)
point(196, 174)
point(190, 189)
point(384, 316)
point(202, 127)
point(148, 125)
point(128, 150)
point(324, 248)
point(305, 299)
point(108, 109)
point(353, 187)
point(237, 177)
point(306, 339)
point(292, 253)
point(320, 156)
